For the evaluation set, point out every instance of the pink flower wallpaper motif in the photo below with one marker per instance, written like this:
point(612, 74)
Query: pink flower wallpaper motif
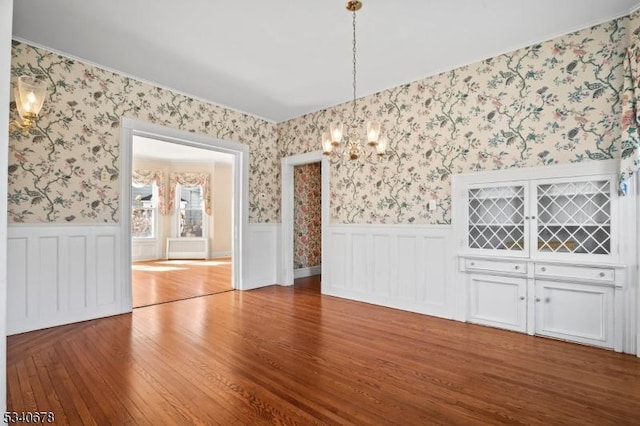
point(54, 172)
point(558, 101)
point(552, 102)
point(307, 216)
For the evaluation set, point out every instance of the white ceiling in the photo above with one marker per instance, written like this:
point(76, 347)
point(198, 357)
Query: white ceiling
point(152, 149)
point(279, 59)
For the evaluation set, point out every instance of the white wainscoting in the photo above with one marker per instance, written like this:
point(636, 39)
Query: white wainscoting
point(400, 266)
point(59, 274)
point(263, 255)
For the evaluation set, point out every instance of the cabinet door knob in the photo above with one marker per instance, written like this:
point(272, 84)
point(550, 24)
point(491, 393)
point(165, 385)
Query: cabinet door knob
point(472, 263)
point(526, 217)
point(537, 299)
point(543, 269)
point(602, 274)
point(517, 267)
point(521, 297)
point(533, 217)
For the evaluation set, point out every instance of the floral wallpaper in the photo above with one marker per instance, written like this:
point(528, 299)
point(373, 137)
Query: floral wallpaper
point(56, 171)
point(307, 216)
point(553, 102)
point(630, 122)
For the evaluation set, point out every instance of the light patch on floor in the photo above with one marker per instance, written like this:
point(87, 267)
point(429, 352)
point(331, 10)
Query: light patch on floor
point(214, 263)
point(155, 268)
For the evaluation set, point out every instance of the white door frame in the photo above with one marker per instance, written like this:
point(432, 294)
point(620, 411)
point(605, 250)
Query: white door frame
point(6, 16)
point(288, 163)
point(240, 207)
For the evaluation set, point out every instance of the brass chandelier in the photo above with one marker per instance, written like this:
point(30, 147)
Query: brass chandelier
point(333, 139)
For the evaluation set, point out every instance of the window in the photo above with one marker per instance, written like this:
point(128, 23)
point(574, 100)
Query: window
point(191, 216)
point(143, 206)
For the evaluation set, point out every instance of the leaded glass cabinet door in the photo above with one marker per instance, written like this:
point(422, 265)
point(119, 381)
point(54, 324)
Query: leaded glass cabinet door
point(496, 219)
point(574, 217)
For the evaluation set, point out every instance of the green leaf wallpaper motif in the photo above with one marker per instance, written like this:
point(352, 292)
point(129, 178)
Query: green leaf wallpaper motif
point(553, 102)
point(55, 171)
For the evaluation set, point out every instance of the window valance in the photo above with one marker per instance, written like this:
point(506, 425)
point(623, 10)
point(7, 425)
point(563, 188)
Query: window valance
point(147, 177)
point(190, 180)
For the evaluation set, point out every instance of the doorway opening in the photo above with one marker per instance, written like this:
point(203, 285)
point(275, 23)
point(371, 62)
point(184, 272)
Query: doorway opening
point(287, 209)
point(184, 213)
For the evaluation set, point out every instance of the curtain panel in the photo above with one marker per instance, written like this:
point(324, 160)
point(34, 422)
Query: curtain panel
point(147, 177)
point(630, 149)
point(190, 180)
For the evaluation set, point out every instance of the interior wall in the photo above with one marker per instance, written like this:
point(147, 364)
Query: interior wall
point(55, 172)
point(220, 221)
point(307, 216)
point(6, 22)
point(553, 102)
point(221, 244)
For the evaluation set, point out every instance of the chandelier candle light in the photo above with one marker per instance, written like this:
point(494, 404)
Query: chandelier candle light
point(332, 139)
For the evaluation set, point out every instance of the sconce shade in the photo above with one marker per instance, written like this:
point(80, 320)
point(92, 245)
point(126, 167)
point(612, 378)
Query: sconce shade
point(29, 96)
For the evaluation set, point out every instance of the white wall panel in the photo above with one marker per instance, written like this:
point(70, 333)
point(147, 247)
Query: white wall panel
point(400, 266)
point(105, 256)
point(435, 275)
point(59, 274)
point(48, 300)
point(381, 279)
point(17, 277)
point(263, 255)
point(405, 287)
point(338, 259)
point(77, 267)
point(359, 259)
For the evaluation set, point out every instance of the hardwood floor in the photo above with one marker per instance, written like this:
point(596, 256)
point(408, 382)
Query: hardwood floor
point(291, 356)
point(161, 281)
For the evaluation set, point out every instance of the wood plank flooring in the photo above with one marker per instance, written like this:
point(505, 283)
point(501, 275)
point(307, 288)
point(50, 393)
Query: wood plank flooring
point(161, 281)
point(287, 355)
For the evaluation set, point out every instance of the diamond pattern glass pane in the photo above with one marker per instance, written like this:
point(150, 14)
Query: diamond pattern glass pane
point(574, 217)
point(496, 218)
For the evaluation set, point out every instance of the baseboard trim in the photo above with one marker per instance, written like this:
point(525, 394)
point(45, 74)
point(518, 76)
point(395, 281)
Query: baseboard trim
point(218, 254)
point(307, 272)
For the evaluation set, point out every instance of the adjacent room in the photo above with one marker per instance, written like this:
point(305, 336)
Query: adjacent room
point(352, 212)
point(181, 222)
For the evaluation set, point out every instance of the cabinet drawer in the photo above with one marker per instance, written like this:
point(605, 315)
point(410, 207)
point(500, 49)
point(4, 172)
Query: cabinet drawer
point(604, 275)
point(496, 266)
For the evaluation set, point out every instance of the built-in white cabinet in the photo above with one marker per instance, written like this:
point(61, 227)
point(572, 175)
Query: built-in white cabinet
point(583, 313)
point(498, 301)
point(567, 217)
point(539, 252)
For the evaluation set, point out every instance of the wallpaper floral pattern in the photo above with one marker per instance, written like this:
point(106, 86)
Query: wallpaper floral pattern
point(630, 122)
point(55, 171)
point(553, 102)
point(307, 216)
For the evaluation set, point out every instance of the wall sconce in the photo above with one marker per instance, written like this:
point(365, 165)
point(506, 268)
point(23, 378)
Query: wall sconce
point(29, 96)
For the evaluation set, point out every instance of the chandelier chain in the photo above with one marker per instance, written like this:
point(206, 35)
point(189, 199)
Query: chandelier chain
point(353, 118)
